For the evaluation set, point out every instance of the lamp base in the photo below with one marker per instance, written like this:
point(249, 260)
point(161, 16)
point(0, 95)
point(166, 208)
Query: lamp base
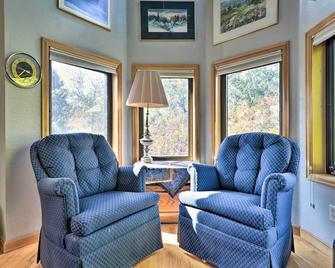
point(146, 141)
point(147, 159)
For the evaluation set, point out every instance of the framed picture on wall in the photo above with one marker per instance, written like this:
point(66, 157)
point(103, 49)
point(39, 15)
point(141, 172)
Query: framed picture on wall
point(235, 18)
point(167, 20)
point(94, 11)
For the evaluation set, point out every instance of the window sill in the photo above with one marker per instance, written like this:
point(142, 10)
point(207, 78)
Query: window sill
point(323, 179)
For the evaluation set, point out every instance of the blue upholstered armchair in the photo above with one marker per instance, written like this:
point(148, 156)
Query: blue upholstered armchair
point(94, 213)
point(238, 212)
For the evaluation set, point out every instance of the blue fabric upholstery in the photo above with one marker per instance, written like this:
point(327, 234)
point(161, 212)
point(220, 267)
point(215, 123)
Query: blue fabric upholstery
point(100, 210)
point(244, 161)
point(62, 187)
point(277, 194)
point(54, 214)
point(35, 162)
point(273, 184)
point(87, 159)
point(82, 245)
point(241, 207)
point(295, 159)
point(106, 245)
point(283, 212)
point(94, 214)
point(219, 248)
point(203, 177)
point(128, 249)
point(54, 256)
point(127, 181)
point(262, 238)
point(239, 211)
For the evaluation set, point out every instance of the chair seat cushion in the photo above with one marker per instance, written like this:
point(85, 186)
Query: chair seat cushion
point(84, 245)
point(262, 238)
point(100, 210)
point(237, 206)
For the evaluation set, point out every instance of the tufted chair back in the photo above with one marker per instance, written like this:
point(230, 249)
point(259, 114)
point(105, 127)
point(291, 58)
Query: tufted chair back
point(245, 160)
point(87, 159)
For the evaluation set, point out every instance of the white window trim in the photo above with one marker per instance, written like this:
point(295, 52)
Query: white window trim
point(255, 62)
point(324, 35)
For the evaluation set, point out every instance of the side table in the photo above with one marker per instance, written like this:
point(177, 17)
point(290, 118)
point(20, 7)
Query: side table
point(168, 179)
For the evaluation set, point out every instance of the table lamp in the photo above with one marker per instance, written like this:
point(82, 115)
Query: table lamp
point(147, 91)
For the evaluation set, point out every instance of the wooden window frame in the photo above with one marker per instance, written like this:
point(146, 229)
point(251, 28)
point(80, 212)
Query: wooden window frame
point(115, 88)
point(194, 111)
point(316, 172)
point(216, 98)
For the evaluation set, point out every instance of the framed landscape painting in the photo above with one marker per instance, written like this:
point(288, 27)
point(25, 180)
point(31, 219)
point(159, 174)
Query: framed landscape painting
point(94, 11)
point(234, 18)
point(161, 20)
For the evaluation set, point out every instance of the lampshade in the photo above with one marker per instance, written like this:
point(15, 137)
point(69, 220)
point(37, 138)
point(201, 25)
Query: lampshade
point(147, 91)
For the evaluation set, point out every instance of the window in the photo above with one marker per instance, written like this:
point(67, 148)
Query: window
point(170, 127)
point(253, 100)
point(81, 92)
point(250, 94)
point(320, 111)
point(330, 99)
point(79, 100)
point(174, 130)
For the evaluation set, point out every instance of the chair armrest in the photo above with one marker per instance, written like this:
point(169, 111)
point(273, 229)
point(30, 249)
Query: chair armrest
point(59, 203)
point(203, 177)
point(61, 187)
point(277, 182)
point(127, 181)
point(277, 193)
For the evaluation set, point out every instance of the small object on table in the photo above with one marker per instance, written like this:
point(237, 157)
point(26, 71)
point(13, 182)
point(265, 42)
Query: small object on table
point(168, 178)
point(170, 175)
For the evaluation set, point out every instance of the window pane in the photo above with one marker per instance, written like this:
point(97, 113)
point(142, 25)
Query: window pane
point(330, 100)
point(253, 99)
point(169, 127)
point(79, 100)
